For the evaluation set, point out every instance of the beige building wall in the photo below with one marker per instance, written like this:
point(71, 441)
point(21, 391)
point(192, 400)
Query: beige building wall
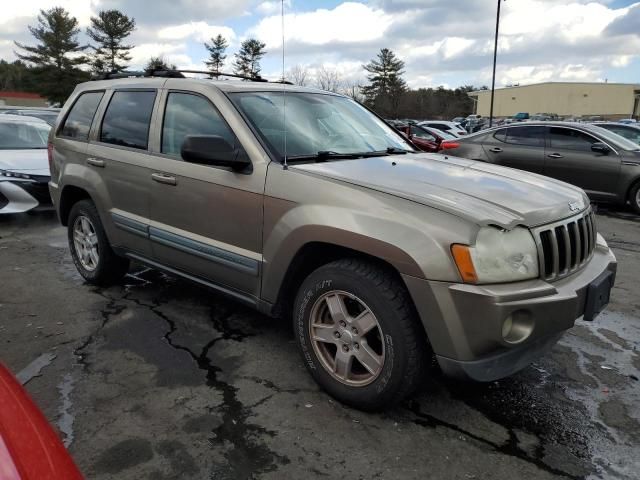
point(565, 99)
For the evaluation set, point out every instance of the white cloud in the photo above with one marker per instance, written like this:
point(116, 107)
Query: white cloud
point(347, 23)
point(272, 7)
point(199, 31)
point(81, 9)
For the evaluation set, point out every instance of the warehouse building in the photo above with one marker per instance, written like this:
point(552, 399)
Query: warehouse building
point(611, 101)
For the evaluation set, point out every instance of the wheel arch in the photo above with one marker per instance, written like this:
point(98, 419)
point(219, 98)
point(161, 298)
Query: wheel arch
point(69, 196)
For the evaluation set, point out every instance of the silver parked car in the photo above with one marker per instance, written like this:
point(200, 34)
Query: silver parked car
point(381, 255)
point(24, 169)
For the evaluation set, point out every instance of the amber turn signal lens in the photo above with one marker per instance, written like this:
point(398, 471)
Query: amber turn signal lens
point(462, 257)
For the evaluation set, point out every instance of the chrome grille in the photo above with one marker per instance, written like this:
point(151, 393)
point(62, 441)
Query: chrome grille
point(565, 246)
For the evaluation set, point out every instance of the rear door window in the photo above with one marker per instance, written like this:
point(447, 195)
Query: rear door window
point(189, 114)
point(80, 117)
point(528, 136)
point(569, 139)
point(127, 119)
point(423, 134)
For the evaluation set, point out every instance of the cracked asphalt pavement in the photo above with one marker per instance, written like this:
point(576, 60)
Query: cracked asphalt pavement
point(161, 379)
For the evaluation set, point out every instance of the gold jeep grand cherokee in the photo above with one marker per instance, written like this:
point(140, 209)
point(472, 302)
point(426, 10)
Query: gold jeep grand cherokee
point(303, 203)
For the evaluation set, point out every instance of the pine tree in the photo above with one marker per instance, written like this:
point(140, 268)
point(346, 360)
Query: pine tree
point(56, 57)
point(158, 63)
point(108, 30)
point(216, 53)
point(386, 86)
point(247, 60)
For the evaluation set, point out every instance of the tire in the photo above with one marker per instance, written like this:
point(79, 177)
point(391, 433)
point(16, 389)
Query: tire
point(104, 268)
point(634, 197)
point(397, 340)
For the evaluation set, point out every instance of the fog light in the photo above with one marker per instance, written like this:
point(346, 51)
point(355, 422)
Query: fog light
point(517, 327)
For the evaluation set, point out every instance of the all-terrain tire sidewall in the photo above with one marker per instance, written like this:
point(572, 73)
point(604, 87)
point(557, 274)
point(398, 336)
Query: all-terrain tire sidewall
point(390, 386)
point(111, 268)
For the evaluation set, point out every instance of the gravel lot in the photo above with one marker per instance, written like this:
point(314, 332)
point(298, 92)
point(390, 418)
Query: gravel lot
point(160, 379)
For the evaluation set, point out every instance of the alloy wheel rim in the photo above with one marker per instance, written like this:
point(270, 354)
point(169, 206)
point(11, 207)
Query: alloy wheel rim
point(638, 198)
point(347, 338)
point(85, 241)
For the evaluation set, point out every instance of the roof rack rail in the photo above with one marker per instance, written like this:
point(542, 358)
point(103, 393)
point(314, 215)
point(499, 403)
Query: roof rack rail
point(177, 73)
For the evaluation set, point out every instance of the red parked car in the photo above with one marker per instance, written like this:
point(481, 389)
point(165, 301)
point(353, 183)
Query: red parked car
point(427, 139)
point(29, 447)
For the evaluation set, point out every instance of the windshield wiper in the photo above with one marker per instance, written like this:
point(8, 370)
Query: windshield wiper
point(398, 151)
point(324, 155)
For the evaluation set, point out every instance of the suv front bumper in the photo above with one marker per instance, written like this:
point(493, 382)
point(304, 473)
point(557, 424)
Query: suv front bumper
point(465, 323)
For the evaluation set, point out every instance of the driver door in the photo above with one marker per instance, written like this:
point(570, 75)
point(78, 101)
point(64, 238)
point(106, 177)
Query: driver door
point(206, 220)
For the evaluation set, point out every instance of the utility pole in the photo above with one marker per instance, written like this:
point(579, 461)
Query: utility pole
point(495, 56)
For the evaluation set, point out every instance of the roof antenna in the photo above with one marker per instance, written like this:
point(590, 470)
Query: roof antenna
point(284, 92)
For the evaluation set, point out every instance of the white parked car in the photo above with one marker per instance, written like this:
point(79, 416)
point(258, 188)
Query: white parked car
point(24, 166)
point(450, 127)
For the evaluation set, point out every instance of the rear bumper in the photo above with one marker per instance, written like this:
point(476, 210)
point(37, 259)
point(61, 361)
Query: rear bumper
point(465, 323)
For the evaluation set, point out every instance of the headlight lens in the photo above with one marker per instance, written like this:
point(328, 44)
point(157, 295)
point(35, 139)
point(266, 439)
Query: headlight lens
point(498, 256)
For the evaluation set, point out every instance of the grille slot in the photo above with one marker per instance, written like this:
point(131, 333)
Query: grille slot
point(565, 246)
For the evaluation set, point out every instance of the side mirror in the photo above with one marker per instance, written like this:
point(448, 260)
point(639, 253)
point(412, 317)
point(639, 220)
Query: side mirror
point(600, 147)
point(213, 150)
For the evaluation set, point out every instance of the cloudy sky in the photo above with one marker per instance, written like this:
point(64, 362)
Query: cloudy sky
point(443, 42)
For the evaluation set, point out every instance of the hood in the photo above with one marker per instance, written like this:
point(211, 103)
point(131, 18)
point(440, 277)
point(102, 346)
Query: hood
point(32, 161)
point(483, 193)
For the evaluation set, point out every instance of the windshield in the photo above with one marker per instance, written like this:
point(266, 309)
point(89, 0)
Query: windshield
point(316, 123)
point(23, 135)
point(617, 140)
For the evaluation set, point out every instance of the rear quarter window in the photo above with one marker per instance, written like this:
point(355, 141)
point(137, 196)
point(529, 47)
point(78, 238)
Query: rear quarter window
point(127, 119)
point(80, 117)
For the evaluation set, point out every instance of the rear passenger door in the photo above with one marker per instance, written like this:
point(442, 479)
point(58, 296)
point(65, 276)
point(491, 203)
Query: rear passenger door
point(118, 154)
point(569, 158)
point(519, 147)
point(206, 220)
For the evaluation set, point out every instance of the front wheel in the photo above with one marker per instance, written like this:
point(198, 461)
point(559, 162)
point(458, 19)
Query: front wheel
point(359, 334)
point(634, 197)
point(90, 249)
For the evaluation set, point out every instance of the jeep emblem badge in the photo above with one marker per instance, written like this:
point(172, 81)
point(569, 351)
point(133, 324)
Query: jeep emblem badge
point(574, 206)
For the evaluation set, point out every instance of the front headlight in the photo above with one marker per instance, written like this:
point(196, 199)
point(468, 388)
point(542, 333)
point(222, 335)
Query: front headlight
point(498, 256)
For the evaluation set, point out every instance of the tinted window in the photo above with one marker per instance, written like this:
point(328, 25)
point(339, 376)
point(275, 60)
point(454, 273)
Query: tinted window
point(78, 122)
point(420, 133)
point(126, 121)
point(570, 139)
point(187, 114)
point(530, 136)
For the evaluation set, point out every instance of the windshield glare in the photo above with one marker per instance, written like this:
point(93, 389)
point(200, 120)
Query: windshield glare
point(615, 139)
point(22, 136)
point(315, 123)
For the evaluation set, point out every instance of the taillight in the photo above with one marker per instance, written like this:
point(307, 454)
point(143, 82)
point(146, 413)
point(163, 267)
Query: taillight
point(50, 156)
point(449, 145)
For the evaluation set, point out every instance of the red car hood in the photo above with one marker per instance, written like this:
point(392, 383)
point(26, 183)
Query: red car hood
point(29, 447)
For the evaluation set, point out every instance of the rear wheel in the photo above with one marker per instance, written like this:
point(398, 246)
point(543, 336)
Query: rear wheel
point(359, 334)
point(634, 197)
point(90, 249)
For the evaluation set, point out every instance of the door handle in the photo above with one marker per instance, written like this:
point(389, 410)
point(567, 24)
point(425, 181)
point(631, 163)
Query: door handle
point(496, 150)
point(555, 155)
point(96, 162)
point(162, 178)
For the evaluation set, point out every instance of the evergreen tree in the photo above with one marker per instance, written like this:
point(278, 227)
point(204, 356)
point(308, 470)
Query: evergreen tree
point(108, 30)
point(216, 53)
point(57, 56)
point(386, 85)
point(247, 60)
point(158, 63)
